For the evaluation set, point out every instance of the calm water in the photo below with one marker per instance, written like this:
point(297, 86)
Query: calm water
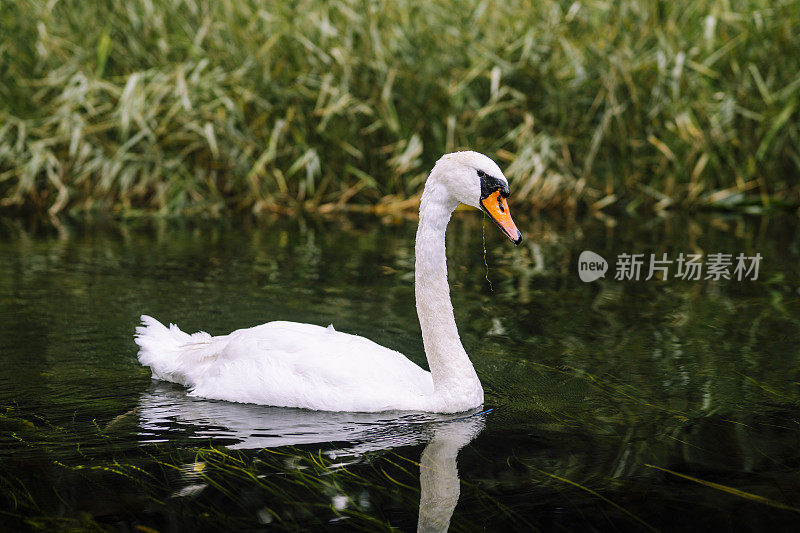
point(615, 405)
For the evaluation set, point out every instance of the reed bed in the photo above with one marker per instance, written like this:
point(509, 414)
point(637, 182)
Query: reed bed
point(204, 107)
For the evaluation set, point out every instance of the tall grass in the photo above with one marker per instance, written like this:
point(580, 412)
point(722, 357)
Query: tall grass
point(203, 106)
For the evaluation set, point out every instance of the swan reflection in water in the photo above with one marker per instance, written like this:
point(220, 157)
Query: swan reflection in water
point(167, 408)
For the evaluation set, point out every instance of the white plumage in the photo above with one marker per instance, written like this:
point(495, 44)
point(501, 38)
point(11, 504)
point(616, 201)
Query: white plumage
point(290, 364)
point(285, 364)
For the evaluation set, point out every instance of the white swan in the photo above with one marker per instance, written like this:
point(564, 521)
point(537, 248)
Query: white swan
point(289, 364)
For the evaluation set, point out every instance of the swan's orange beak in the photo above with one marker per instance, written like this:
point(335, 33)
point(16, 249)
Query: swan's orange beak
point(496, 207)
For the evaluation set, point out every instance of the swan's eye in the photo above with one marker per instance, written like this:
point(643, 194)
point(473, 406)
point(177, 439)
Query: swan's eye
point(490, 184)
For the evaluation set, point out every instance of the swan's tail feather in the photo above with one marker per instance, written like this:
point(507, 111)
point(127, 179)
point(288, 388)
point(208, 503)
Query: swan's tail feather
point(170, 353)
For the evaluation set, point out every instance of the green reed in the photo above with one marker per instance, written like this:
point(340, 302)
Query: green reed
point(199, 106)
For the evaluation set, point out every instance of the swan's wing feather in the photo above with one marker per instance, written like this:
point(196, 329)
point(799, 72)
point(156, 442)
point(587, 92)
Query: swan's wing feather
point(289, 363)
point(286, 364)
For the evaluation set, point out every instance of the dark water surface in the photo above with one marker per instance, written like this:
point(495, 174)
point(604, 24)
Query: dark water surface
point(615, 405)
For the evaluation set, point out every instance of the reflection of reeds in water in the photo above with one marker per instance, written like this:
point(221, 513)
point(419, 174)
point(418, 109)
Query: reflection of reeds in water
point(195, 106)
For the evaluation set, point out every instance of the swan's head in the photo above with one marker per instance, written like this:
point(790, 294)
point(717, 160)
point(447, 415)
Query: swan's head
point(474, 179)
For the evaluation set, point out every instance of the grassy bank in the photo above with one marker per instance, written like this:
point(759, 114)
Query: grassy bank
point(196, 106)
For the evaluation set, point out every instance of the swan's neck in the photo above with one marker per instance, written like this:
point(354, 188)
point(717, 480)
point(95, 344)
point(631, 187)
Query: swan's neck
point(454, 378)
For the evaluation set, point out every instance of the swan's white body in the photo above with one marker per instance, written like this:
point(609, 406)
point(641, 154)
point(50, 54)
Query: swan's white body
point(290, 364)
point(287, 364)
